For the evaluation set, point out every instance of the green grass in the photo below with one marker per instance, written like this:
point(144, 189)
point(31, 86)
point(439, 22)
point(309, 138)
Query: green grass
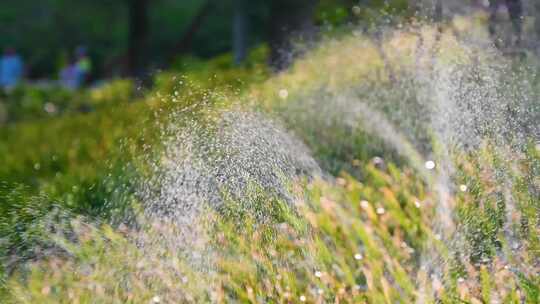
point(368, 236)
point(336, 244)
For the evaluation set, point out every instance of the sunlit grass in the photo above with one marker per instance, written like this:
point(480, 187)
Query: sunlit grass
point(370, 235)
point(352, 241)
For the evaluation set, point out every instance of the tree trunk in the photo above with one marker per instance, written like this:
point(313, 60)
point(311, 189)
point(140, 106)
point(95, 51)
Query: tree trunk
point(515, 10)
point(138, 34)
point(537, 25)
point(186, 41)
point(438, 11)
point(289, 20)
point(240, 31)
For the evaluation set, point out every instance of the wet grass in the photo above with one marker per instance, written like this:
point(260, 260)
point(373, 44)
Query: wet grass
point(370, 234)
point(350, 241)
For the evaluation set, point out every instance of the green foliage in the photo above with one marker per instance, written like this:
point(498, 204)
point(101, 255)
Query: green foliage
point(256, 259)
point(75, 146)
point(365, 13)
point(83, 163)
point(218, 72)
point(361, 237)
point(334, 12)
point(32, 102)
point(52, 29)
point(351, 240)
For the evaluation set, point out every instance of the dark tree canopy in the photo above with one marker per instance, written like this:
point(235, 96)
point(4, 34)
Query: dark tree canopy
point(136, 36)
point(288, 20)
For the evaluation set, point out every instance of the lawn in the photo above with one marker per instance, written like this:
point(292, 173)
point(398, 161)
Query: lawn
point(393, 171)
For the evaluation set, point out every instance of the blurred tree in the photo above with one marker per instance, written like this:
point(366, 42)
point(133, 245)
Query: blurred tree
point(438, 14)
point(515, 12)
point(186, 41)
point(44, 30)
point(335, 12)
point(240, 31)
point(138, 36)
point(537, 23)
point(288, 20)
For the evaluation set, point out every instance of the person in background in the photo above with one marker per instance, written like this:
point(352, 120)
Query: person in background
point(70, 75)
point(11, 69)
point(84, 65)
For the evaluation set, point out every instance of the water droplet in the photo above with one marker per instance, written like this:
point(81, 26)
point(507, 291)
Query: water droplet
point(50, 108)
point(283, 94)
point(377, 161)
point(430, 165)
point(364, 204)
point(46, 290)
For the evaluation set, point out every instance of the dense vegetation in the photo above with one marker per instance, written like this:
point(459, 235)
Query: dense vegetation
point(73, 226)
point(46, 33)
